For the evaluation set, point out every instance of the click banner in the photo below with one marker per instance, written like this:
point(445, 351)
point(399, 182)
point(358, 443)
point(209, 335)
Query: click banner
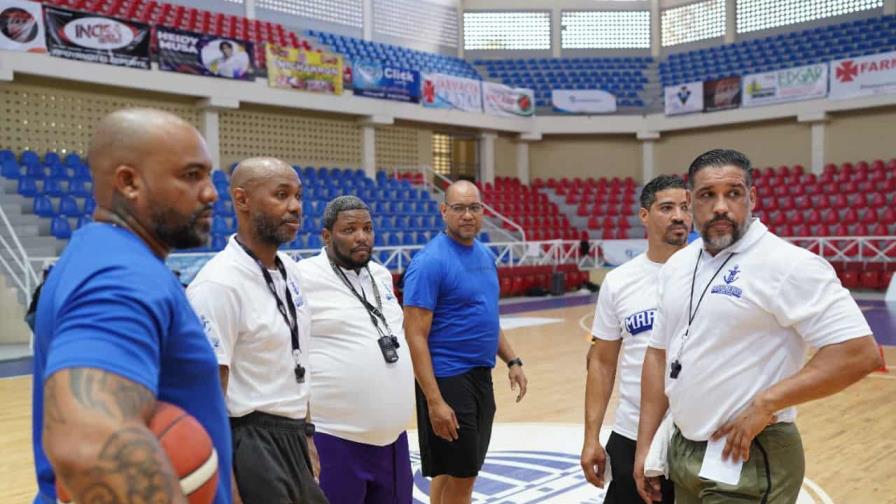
point(373, 79)
point(96, 39)
point(585, 101)
point(721, 94)
point(450, 92)
point(505, 101)
point(791, 84)
point(684, 98)
point(293, 68)
point(200, 54)
point(865, 76)
point(22, 26)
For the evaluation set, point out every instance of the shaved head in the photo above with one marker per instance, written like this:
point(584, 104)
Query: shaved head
point(460, 189)
point(250, 172)
point(267, 197)
point(462, 211)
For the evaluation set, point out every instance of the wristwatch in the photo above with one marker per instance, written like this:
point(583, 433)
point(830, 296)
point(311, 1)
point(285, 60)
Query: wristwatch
point(514, 362)
point(309, 429)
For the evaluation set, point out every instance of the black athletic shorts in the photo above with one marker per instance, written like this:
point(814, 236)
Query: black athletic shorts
point(622, 490)
point(472, 398)
point(271, 462)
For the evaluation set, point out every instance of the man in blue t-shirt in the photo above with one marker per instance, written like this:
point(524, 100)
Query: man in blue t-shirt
point(114, 332)
point(453, 332)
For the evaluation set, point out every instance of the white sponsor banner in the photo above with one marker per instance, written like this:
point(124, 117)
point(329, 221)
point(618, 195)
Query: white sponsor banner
point(865, 76)
point(584, 101)
point(791, 84)
point(684, 98)
point(501, 100)
point(22, 26)
point(617, 252)
point(450, 92)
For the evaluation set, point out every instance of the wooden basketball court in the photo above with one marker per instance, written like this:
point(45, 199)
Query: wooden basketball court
point(850, 438)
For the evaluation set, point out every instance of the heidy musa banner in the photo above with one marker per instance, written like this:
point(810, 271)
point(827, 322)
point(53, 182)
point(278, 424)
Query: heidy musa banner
point(791, 84)
point(21, 26)
point(376, 80)
point(293, 68)
point(450, 92)
point(96, 39)
point(505, 101)
point(199, 54)
point(721, 94)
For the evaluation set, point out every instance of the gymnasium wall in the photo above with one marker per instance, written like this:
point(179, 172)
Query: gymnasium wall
point(585, 156)
point(861, 135)
point(505, 157)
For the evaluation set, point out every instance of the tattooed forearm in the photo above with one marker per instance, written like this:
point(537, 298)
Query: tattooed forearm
point(109, 394)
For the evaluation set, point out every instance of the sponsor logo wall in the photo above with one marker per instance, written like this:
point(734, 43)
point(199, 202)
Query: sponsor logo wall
point(791, 84)
point(586, 101)
point(21, 26)
point(684, 98)
point(505, 101)
point(294, 68)
point(721, 94)
point(449, 92)
point(97, 39)
point(198, 54)
point(374, 79)
point(865, 76)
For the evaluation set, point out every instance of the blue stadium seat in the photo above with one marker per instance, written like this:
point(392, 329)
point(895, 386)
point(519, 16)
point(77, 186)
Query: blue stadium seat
point(9, 168)
point(314, 241)
point(80, 187)
point(89, 205)
point(218, 242)
point(29, 158)
point(72, 159)
point(55, 186)
point(27, 186)
point(43, 206)
point(83, 221)
point(51, 158)
point(68, 207)
point(60, 228)
point(222, 226)
point(223, 208)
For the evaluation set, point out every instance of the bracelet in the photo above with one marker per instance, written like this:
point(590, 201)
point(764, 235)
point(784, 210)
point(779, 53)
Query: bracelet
point(514, 362)
point(309, 429)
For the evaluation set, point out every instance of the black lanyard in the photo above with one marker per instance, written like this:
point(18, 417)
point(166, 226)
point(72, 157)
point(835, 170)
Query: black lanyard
point(374, 312)
point(676, 364)
point(291, 319)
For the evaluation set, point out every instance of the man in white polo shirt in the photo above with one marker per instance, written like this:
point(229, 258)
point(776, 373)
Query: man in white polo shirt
point(737, 310)
point(623, 320)
point(362, 375)
point(256, 317)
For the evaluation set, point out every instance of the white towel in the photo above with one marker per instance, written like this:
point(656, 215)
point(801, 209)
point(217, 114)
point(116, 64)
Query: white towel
point(657, 462)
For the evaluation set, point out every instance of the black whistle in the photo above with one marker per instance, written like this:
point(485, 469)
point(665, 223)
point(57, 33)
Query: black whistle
point(300, 373)
point(676, 369)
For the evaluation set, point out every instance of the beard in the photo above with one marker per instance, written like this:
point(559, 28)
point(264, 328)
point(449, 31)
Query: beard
point(347, 261)
point(672, 239)
point(273, 230)
point(179, 231)
point(720, 242)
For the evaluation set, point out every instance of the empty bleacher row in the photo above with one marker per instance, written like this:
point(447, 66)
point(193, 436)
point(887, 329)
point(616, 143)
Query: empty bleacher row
point(622, 76)
point(796, 48)
point(610, 205)
point(540, 218)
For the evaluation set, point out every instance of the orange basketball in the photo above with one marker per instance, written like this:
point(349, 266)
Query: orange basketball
point(190, 450)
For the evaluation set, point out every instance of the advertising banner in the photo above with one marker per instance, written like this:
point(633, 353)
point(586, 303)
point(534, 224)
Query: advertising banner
point(450, 92)
point(618, 252)
point(373, 79)
point(200, 54)
point(791, 84)
point(865, 76)
point(22, 26)
point(505, 101)
point(96, 39)
point(293, 68)
point(721, 94)
point(584, 101)
point(684, 98)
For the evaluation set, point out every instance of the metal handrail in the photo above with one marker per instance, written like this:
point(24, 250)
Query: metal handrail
point(22, 273)
point(494, 213)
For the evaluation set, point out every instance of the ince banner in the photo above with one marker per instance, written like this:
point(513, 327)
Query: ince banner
point(505, 101)
point(586, 101)
point(22, 26)
point(373, 79)
point(199, 54)
point(293, 68)
point(791, 84)
point(450, 92)
point(684, 98)
point(97, 39)
point(721, 94)
point(865, 76)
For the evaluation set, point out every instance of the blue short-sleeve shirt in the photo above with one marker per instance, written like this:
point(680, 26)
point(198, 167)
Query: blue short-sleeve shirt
point(459, 284)
point(111, 304)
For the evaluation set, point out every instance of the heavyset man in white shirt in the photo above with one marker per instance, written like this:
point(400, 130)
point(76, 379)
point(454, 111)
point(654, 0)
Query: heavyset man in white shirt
point(362, 375)
point(256, 317)
point(623, 320)
point(736, 312)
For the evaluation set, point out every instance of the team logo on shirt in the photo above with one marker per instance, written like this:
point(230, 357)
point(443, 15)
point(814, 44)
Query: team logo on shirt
point(297, 298)
point(388, 290)
point(640, 322)
point(213, 339)
point(728, 289)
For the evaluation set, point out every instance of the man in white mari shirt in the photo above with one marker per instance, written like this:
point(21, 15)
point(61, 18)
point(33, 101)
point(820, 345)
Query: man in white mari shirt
point(362, 382)
point(623, 320)
point(736, 312)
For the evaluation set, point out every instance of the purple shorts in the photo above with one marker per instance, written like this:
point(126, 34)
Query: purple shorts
point(358, 473)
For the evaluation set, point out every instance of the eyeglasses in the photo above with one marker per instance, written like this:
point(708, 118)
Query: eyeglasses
point(459, 209)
